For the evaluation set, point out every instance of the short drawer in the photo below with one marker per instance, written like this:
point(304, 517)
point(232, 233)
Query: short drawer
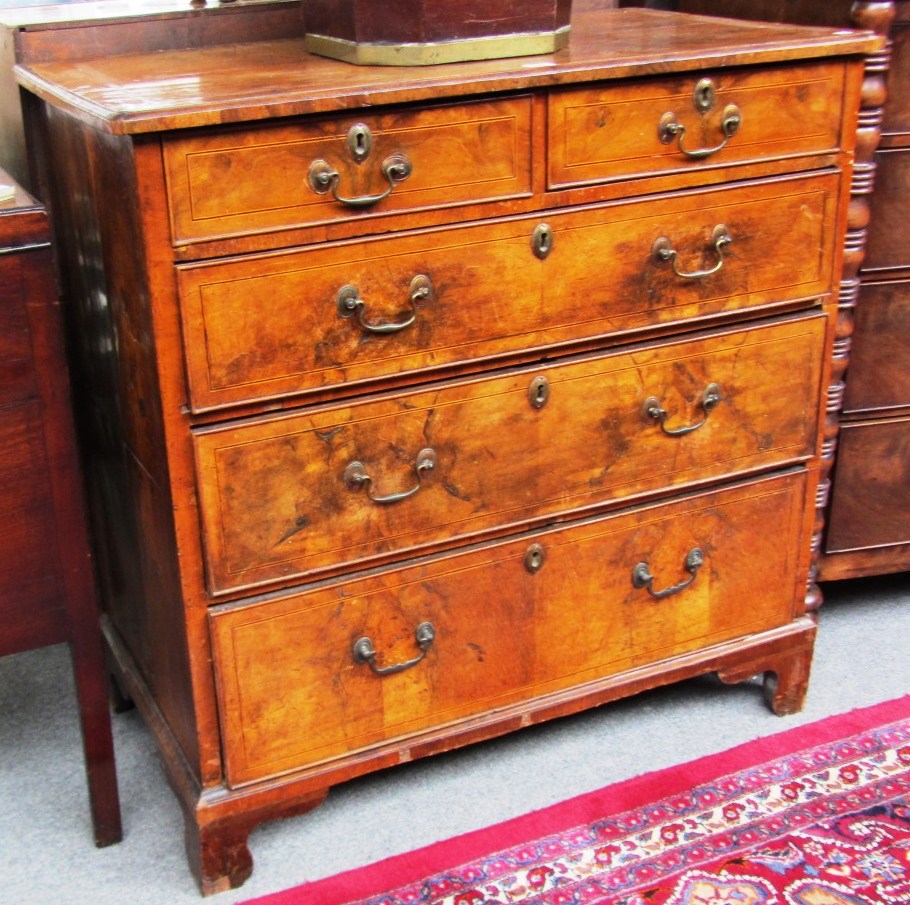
point(284, 496)
point(270, 325)
point(502, 624)
point(692, 122)
point(242, 182)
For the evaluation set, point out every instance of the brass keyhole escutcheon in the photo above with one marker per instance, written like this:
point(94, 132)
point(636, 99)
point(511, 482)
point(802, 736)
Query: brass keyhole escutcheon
point(360, 142)
point(539, 392)
point(704, 95)
point(542, 240)
point(534, 558)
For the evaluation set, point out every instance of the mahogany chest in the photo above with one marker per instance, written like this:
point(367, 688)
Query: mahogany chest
point(433, 404)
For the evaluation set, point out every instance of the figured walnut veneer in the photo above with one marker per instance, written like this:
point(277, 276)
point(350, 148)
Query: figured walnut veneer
point(274, 504)
point(569, 624)
point(267, 326)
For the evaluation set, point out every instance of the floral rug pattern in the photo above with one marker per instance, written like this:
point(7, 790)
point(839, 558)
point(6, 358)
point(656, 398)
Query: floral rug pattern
point(829, 825)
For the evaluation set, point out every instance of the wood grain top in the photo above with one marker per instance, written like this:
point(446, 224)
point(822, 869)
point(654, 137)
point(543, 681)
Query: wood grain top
point(151, 92)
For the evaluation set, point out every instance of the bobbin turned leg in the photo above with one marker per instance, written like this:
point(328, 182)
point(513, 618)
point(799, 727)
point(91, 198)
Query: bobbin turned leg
point(216, 840)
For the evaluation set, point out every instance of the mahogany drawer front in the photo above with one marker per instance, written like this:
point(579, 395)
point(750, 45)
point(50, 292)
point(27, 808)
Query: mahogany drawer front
point(270, 325)
point(30, 591)
point(17, 369)
point(285, 496)
point(880, 355)
point(612, 132)
point(871, 486)
point(897, 109)
point(237, 182)
point(292, 694)
point(889, 243)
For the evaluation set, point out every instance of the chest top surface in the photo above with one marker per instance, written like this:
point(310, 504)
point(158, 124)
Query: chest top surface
point(23, 221)
point(150, 92)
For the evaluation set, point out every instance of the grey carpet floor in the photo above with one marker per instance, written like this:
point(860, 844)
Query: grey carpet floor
point(47, 857)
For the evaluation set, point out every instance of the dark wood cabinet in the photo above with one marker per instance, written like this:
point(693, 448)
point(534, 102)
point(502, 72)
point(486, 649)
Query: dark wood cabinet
point(47, 589)
point(869, 517)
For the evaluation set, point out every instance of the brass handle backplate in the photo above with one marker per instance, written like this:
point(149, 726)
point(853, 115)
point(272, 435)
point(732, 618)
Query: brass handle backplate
point(364, 651)
point(663, 250)
point(670, 127)
point(642, 577)
point(654, 411)
point(323, 178)
point(350, 303)
point(356, 477)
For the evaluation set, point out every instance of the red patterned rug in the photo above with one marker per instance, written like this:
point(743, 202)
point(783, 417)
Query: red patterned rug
point(817, 815)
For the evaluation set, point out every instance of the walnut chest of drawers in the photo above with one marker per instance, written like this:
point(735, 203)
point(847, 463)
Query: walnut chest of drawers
point(431, 404)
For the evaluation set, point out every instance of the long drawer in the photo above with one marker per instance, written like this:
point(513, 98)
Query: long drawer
point(284, 496)
point(687, 123)
point(271, 325)
point(500, 624)
point(241, 182)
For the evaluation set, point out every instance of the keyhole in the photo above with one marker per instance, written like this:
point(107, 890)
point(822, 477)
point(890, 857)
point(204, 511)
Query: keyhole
point(539, 392)
point(542, 240)
point(704, 95)
point(360, 142)
point(534, 558)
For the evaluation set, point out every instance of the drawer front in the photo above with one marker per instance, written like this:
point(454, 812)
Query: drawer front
point(871, 487)
point(897, 110)
point(30, 593)
point(289, 495)
point(256, 180)
point(17, 369)
point(291, 692)
point(889, 243)
point(271, 325)
point(880, 355)
point(602, 134)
